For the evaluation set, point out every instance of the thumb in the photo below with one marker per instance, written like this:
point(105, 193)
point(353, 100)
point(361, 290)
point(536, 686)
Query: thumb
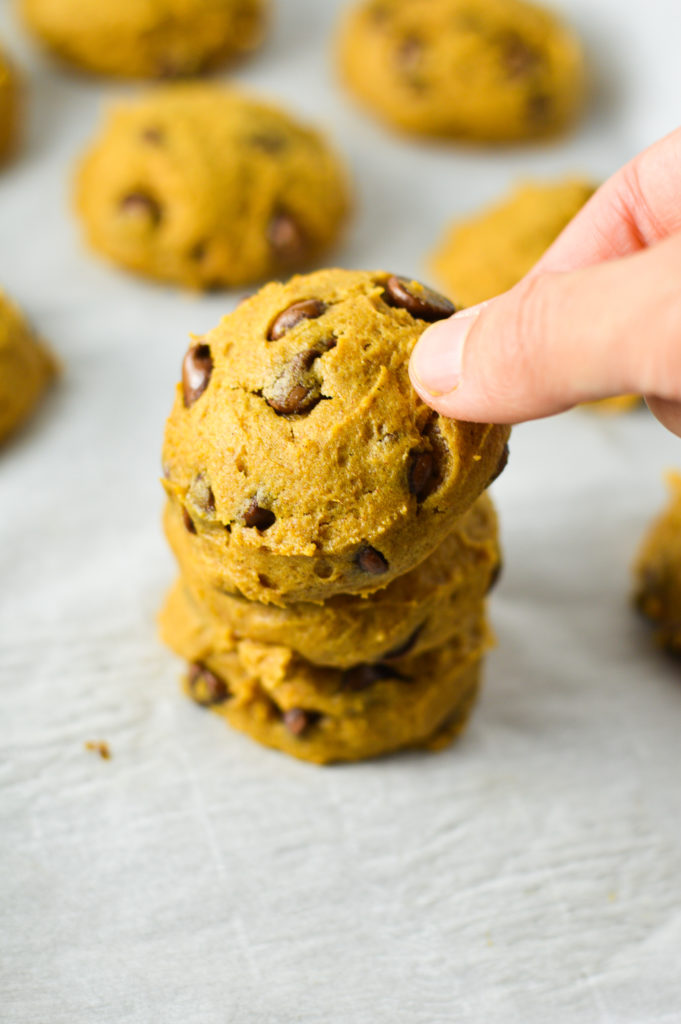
point(557, 339)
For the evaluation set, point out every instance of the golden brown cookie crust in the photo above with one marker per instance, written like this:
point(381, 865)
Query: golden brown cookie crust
point(146, 38)
point(303, 463)
point(420, 610)
point(489, 70)
point(206, 187)
point(322, 714)
point(657, 570)
point(26, 368)
point(9, 109)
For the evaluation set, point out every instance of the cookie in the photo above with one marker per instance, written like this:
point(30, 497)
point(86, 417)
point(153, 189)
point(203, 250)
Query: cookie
point(206, 187)
point(326, 714)
point(146, 38)
point(26, 368)
point(614, 405)
point(489, 70)
point(491, 251)
point(297, 453)
point(9, 108)
point(657, 571)
point(420, 610)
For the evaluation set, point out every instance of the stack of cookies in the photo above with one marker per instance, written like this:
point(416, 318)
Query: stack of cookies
point(333, 537)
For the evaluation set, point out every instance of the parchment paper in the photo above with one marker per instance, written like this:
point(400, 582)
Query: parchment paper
point(530, 874)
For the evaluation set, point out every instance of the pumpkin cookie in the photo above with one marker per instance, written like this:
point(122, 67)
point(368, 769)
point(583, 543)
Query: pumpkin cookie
point(491, 251)
point(420, 610)
point(488, 253)
point(146, 38)
point(9, 104)
point(206, 187)
point(490, 70)
point(298, 455)
point(326, 714)
point(26, 368)
point(658, 571)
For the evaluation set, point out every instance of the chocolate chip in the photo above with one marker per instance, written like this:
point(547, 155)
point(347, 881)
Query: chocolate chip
point(198, 251)
point(308, 309)
point(494, 575)
point(196, 372)
point(404, 648)
point(297, 720)
point(201, 495)
point(501, 465)
point(518, 58)
point(153, 134)
point(268, 142)
point(257, 517)
point(371, 561)
point(141, 205)
point(410, 54)
point(379, 12)
point(298, 400)
point(361, 677)
point(422, 302)
point(425, 471)
point(539, 108)
point(175, 66)
point(205, 687)
point(286, 238)
point(188, 522)
point(297, 388)
point(422, 468)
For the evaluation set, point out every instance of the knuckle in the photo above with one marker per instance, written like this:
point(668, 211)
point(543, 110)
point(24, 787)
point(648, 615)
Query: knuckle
point(636, 208)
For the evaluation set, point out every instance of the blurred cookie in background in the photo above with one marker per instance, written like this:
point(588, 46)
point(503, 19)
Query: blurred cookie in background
point(9, 108)
point(657, 571)
point(146, 38)
point(489, 70)
point(26, 368)
point(208, 187)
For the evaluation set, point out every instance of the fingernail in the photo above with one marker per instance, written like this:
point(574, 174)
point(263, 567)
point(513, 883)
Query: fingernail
point(436, 361)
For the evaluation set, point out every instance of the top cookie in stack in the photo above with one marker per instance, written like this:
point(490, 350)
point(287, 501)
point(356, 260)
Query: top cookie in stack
point(298, 451)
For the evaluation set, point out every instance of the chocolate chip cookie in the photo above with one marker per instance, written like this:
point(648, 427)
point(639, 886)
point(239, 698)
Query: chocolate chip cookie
point(422, 609)
point(657, 571)
point(299, 457)
point(206, 187)
point(9, 108)
point(325, 714)
point(26, 368)
point(146, 38)
point(490, 70)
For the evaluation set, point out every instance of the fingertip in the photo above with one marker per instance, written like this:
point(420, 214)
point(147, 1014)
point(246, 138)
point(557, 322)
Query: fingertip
point(436, 362)
point(667, 412)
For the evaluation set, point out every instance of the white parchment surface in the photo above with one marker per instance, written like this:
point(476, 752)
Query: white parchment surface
point(530, 874)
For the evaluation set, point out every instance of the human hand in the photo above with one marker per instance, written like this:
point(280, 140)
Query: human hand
point(599, 314)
